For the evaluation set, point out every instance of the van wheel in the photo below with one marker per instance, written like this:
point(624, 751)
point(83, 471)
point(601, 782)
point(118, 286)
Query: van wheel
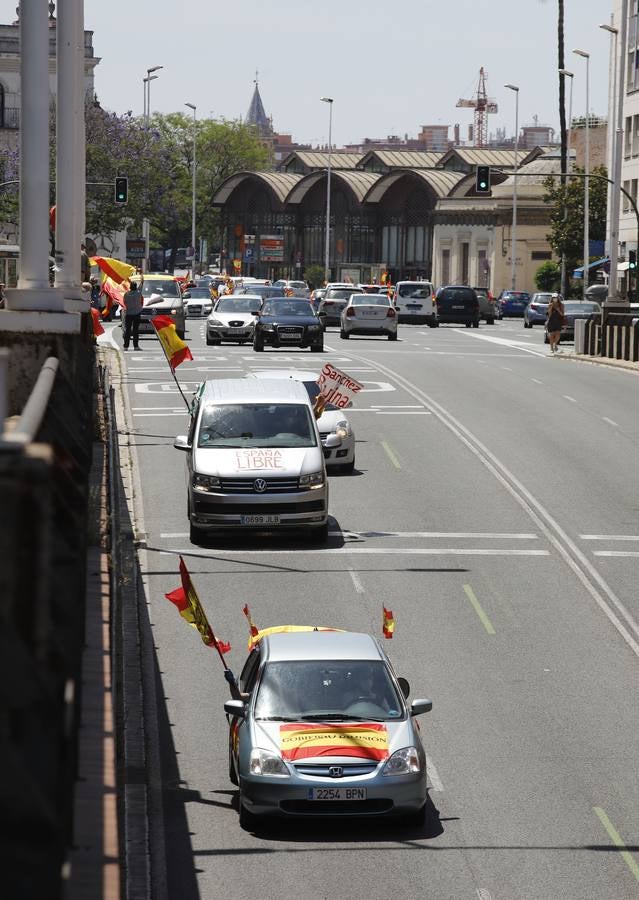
point(392, 336)
point(475, 324)
point(490, 321)
point(319, 535)
point(196, 535)
point(468, 324)
point(344, 334)
point(434, 324)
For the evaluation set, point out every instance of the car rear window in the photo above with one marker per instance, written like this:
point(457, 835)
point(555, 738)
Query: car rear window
point(370, 300)
point(420, 291)
point(339, 293)
point(459, 295)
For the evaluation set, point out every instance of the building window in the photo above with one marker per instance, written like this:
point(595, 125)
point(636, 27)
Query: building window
point(465, 256)
point(635, 136)
point(626, 202)
point(483, 271)
point(541, 255)
point(633, 190)
point(445, 267)
point(628, 137)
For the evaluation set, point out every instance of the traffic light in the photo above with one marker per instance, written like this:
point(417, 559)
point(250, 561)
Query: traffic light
point(482, 184)
point(121, 189)
point(632, 260)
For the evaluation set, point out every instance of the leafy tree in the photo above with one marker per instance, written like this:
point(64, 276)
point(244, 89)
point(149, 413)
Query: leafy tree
point(548, 276)
point(567, 233)
point(9, 194)
point(314, 275)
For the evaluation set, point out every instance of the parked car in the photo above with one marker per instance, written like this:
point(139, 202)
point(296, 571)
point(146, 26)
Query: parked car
point(197, 302)
point(537, 310)
point(336, 432)
point(288, 322)
point(457, 304)
point(369, 314)
point(254, 459)
point(334, 300)
point(487, 305)
point(325, 729)
point(233, 319)
point(513, 303)
point(414, 302)
point(573, 311)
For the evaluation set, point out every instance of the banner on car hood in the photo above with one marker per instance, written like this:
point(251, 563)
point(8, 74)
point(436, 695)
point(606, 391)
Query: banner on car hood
point(366, 740)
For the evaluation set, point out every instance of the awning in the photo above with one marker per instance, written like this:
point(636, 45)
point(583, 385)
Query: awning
point(623, 266)
point(579, 273)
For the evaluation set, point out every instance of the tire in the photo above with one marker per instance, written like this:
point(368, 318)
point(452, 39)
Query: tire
point(232, 773)
point(319, 535)
point(344, 334)
point(527, 324)
point(475, 324)
point(196, 535)
point(392, 336)
point(468, 324)
point(248, 821)
point(258, 346)
point(347, 468)
point(319, 348)
point(490, 321)
point(433, 323)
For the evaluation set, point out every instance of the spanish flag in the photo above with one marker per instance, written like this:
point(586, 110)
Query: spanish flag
point(113, 294)
point(97, 324)
point(116, 269)
point(366, 740)
point(388, 624)
point(188, 604)
point(174, 347)
point(253, 629)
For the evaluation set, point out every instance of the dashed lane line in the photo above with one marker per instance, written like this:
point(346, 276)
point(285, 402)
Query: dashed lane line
point(566, 397)
point(609, 537)
point(483, 618)
point(357, 584)
point(611, 422)
point(349, 549)
point(615, 837)
point(391, 454)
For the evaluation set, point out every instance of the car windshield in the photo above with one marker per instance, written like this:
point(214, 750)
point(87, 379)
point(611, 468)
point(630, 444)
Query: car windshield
point(459, 294)
point(238, 304)
point(288, 308)
point(313, 389)
point(263, 290)
point(582, 308)
point(317, 689)
point(421, 291)
point(198, 293)
point(166, 287)
point(264, 425)
point(339, 293)
point(370, 300)
point(298, 284)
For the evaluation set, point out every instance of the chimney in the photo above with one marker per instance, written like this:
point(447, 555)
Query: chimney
point(457, 135)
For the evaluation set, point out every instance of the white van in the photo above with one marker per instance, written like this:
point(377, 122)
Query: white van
point(254, 459)
point(415, 302)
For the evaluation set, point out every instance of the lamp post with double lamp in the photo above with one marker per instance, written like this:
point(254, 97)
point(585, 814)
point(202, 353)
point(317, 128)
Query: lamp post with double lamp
point(513, 241)
point(586, 56)
point(613, 189)
point(564, 278)
point(146, 230)
point(327, 245)
point(194, 108)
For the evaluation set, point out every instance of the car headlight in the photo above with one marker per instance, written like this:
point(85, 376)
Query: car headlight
point(267, 327)
point(213, 321)
point(205, 483)
point(173, 312)
point(403, 762)
point(263, 762)
point(314, 480)
point(342, 430)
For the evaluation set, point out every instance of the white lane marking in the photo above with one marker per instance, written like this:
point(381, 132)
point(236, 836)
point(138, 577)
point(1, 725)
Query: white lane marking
point(412, 534)
point(625, 553)
point(505, 368)
point(504, 342)
point(483, 894)
point(157, 415)
point(609, 537)
point(433, 777)
point(611, 422)
point(357, 584)
point(348, 548)
point(536, 380)
point(578, 562)
point(566, 397)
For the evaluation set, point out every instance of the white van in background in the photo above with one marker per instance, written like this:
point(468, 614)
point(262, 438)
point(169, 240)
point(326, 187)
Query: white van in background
point(414, 301)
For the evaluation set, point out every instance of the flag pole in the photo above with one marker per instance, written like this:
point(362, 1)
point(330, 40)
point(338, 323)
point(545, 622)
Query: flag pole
point(186, 402)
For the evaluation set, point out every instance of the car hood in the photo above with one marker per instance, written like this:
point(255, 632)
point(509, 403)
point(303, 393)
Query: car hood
point(289, 320)
point(333, 742)
point(274, 462)
point(327, 422)
point(225, 318)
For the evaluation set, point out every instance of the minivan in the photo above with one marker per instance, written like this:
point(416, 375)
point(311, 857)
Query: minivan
point(254, 459)
point(414, 302)
point(458, 304)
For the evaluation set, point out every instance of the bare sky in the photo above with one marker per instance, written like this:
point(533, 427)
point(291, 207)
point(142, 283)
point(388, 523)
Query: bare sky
point(390, 65)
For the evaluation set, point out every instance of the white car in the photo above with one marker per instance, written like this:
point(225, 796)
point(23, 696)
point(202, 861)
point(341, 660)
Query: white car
point(197, 302)
point(415, 302)
point(336, 432)
point(369, 314)
point(233, 319)
point(299, 288)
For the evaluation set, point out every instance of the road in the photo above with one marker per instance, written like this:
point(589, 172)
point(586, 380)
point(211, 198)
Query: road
point(494, 510)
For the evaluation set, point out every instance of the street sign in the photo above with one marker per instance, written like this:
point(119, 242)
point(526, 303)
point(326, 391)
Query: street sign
point(248, 254)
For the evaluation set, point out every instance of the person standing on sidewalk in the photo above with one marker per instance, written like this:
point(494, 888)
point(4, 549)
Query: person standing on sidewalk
point(554, 321)
point(133, 303)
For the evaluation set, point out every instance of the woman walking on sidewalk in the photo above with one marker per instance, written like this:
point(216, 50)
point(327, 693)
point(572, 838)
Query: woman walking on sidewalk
point(554, 321)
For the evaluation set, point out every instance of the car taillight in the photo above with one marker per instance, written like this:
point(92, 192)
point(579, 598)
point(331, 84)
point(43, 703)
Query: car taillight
point(350, 312)
point(390, 314)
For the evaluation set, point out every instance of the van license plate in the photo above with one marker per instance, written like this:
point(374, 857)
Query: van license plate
point(259, 520)
point(353, 793)
point(458, 307)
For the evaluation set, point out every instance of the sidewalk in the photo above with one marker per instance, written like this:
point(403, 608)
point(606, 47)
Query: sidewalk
point(601, 361)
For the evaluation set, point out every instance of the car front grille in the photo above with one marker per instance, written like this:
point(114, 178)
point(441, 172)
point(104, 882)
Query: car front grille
point(290, 331)
point(246, 485)
point(205, 507)
point(348, 771)
point(193, 310)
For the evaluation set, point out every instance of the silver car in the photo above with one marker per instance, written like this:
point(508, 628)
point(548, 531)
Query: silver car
point(324, 729)
point(233, 319)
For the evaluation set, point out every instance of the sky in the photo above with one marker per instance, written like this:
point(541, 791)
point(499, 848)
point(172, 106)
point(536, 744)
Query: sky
point(390, 65)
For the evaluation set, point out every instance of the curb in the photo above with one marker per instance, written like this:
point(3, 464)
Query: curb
point(623, 364)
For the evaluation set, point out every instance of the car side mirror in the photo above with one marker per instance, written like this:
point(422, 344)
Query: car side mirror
point(419, 707)
point(405, 686)
point(236, 708)
point(181, 442)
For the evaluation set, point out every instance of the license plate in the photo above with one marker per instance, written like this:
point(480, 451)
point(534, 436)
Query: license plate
point(260, 520)
point(352, 793)
point(236, 330)
point(290, 337)
point(413, 307)
point(458, 307)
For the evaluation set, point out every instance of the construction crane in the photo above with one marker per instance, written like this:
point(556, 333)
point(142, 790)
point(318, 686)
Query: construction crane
point(482, 106)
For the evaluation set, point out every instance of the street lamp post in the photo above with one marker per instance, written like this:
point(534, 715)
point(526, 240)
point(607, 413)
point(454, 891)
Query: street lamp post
point(612, 75)
point(146, 230)
point(616, 147)
point(586, 56)
point(571, 75)
point(513, 241)
point(327, 244)
point(194, 108)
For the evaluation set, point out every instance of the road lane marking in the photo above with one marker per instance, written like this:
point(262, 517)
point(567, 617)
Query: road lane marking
point(566, 397)
point(483, 894)
point(348, 548)
point(611, 422)
point(412, 534)
point(483, 618)
point(536, 380)
point(625, 553)
point(357, 584)
point(391, 455)
point(503, 342)
point(505, 368)
point(433, 777)
point(609, 537)
point(615, 837)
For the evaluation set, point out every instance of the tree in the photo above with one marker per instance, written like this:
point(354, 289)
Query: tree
point(548, 276)
point(567, 231)
point(314, 275)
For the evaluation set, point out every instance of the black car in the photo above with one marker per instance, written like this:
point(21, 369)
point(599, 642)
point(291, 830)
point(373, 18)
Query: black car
point(288, 322)
point(458, 304)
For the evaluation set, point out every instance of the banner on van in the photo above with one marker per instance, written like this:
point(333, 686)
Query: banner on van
point(336, 387)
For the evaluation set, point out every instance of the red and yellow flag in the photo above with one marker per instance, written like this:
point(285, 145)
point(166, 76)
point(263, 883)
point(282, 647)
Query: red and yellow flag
point(188, 604)
point(388, 624)
point(116, 269)
point(253, 629)
point(113, 294)
point(97, 324)
point(366, 740)
point(174, 347)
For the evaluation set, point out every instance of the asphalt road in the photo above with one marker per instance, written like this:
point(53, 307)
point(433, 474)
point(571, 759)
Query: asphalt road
point(494, 510)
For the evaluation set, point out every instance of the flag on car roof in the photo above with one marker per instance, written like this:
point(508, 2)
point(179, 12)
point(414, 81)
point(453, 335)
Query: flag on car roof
point(254, 630)
point(186, 600)
point(388, 624)
point(116, 269)
point(174, 347)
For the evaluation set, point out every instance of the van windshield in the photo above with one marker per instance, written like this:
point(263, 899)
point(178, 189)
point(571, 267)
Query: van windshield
point(164, 287)
point(256, 425)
